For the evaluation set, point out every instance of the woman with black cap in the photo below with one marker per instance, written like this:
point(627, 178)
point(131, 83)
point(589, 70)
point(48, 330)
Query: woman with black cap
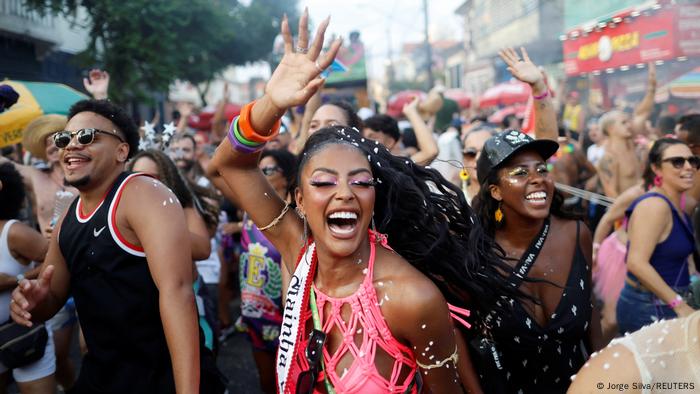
point(543, 339)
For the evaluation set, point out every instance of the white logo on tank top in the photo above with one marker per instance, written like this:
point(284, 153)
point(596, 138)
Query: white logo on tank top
point(97, 233)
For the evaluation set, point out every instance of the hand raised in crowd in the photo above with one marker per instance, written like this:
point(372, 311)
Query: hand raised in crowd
point(185, 108)
point(651, 76)
point(97, 83)
point(296, 78)
point(523, 68)
point(28, 294)
point(411, 107)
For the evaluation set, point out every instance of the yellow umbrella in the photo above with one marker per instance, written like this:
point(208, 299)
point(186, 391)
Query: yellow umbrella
point(35, 99)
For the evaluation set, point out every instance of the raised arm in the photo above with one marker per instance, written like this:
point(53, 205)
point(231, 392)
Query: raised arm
point(97, 84)
point(218, 121)
point(643, 110)
point(614, 213)
point(162, 232)
point(311, 106)
point(427, 146)
point(526, 71)
point(294, 81)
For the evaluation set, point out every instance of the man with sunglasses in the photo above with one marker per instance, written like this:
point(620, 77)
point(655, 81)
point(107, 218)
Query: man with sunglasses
point(122, 250)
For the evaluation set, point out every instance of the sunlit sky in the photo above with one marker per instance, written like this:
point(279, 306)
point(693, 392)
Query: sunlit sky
point(387, 24)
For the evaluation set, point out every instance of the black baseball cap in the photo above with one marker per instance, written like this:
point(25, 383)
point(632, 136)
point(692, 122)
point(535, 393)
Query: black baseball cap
point(502, 146)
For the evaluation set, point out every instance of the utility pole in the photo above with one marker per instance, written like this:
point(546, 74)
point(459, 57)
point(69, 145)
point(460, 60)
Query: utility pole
point(428, 48)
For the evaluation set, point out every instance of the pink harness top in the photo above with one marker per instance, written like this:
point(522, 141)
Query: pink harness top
point(365, 333)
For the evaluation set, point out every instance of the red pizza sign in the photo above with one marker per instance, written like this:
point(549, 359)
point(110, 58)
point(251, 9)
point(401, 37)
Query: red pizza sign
point(643, 39)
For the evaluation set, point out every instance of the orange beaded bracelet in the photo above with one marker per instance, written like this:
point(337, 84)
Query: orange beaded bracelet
point(247, 131)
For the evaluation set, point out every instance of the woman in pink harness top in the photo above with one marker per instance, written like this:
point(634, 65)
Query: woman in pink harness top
point(359, 316)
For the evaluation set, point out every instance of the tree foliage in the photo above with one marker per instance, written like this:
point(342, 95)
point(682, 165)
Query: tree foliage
point(147, 44)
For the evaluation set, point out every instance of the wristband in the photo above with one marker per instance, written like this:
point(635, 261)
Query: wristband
point(675, 302)
point(233, 139)
point(247, 131)
point(542, 96)
point(596, 246)
point(237, 133)
point(19, 277)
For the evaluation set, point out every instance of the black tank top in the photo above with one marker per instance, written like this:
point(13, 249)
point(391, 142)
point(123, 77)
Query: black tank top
point(117, 302)
point(541, 359)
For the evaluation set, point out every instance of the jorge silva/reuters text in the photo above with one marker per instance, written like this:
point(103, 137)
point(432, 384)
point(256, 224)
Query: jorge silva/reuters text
point(656, 386)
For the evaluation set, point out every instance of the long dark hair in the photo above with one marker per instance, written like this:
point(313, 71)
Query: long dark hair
point(189, 194)
point(428, 222)
point(656, 153)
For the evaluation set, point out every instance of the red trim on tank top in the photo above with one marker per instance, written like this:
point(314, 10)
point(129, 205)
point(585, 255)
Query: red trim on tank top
point(117, 198)
point(89, 215)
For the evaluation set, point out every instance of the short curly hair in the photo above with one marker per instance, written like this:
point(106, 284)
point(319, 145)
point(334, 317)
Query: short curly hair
point(12, 193)
point(115, 114)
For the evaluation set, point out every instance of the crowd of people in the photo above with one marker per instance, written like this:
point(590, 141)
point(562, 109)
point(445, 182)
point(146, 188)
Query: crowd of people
point(435, 253)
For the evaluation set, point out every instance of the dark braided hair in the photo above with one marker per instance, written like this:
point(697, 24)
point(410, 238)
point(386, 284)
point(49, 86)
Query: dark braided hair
point(186, 192)
point(656, 153)
point(428, 222)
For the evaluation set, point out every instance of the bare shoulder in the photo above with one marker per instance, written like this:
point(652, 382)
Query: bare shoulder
point(651, 207)
point(145, 191)
point(405, 295)
point(613, 370)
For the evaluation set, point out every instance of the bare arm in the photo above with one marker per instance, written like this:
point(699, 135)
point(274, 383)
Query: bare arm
point(427, 327)
point(218, 121)
point(643, 110)
point(647, 224)
point(185, 109)
point(199, 234)
point(526, 71)
point(615, 212)
point(39, 299)
point(608, 172)
point(294, 81)
point(168, 253)
point(27, 244)
point(309, 110)
point(427, 146)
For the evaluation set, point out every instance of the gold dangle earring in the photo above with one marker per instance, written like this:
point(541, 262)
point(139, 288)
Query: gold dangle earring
point(498, 215)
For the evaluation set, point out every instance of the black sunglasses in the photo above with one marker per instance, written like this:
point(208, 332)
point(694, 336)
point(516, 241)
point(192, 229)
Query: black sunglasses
point(314, 352)
point(678, 161)
point(269, 170)
point(85, 137)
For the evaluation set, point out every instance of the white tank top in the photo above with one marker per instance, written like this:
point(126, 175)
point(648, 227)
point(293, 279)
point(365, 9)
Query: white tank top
point(9, 266)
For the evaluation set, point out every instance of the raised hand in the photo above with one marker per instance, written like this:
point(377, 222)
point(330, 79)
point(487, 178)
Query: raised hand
point(522, 69)
point(651, 76)
point(97, 83)
point(185, 108)
point(411, 107)
point(28, 294)
point(296, 78)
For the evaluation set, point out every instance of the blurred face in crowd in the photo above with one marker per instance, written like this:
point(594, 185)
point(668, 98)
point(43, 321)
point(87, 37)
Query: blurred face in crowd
point(621, 127)
point(594, 132)
point(52, 155)
point(676, 172)
point(473, 145)
point(183, 153)
point(328, 115)
point(524, 186)
point(281, 141)
point(146, 165)
point(384, 139)
point(273, 173)
point(336, 194)
point(85, 164)
point(573, 99)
